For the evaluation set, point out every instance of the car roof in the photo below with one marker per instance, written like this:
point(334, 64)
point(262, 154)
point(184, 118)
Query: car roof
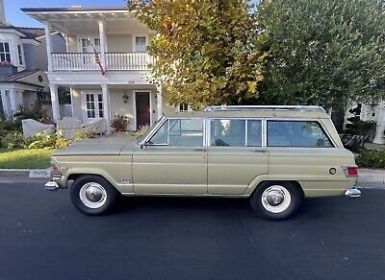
point(265, 113)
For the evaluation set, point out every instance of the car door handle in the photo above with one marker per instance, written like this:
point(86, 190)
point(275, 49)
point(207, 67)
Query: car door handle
point(200, 150)
point(259, 151)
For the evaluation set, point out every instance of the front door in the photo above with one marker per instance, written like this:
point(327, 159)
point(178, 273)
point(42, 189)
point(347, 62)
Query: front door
point(173, 161)
point(143, 114)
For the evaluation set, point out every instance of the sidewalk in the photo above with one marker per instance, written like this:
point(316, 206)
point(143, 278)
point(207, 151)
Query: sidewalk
point(371, 177)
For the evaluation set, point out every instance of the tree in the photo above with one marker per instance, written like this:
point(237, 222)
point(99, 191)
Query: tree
point(205, 50)
point(323, 52)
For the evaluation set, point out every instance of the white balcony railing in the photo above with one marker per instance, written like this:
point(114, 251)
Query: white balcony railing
point(87, 61)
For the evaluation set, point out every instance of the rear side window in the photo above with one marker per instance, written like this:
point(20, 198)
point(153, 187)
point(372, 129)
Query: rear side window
point(235, 133)
point(307, 134)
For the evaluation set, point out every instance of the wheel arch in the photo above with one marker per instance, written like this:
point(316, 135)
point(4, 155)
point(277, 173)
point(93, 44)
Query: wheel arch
point(75, 175)
point(251, 190)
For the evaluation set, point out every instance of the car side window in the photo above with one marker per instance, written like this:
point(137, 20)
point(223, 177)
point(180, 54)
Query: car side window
point(307, 134)
point(179, 132)
point(254, 133)
point(227, 132)
point(235, 133)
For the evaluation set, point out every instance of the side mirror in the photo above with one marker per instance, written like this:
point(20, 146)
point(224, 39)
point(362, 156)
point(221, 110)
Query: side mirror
point(142, 144)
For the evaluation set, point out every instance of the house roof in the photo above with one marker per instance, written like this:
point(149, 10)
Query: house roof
point(76, 19)
point(74, 9)
point(32, 32)
point(18, 77)
point(26, 32)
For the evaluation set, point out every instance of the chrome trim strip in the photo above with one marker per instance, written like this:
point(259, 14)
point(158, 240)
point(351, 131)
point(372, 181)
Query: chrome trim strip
point(265, 107)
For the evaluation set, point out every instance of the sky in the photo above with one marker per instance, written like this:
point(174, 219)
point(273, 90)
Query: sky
point(16, 17)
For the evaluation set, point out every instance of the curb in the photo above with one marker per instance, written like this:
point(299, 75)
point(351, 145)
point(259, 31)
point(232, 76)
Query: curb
point(25, 173)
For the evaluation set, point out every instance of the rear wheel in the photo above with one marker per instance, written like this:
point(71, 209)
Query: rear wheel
point(276, 200)
point(93, 195)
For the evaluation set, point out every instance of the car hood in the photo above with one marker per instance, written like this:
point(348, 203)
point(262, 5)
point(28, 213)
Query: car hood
point(100, 146)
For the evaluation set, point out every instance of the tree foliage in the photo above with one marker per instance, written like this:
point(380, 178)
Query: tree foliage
point(323, 52)
point(206, 51)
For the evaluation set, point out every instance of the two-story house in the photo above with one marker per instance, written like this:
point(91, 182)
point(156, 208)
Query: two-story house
point(22, 62)
point(105, 64)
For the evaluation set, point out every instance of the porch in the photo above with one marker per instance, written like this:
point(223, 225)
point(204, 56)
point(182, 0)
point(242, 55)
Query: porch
point(142, 104)
point(114, 61)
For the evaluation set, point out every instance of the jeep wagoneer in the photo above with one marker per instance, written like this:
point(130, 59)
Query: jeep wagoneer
point(274, 155)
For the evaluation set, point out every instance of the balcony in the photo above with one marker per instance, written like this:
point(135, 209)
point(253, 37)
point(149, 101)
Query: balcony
point(87, 61)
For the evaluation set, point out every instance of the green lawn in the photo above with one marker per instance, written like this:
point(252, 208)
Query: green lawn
point(24, 159)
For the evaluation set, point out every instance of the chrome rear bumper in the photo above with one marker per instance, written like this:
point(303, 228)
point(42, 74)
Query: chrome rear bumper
point(353, 192)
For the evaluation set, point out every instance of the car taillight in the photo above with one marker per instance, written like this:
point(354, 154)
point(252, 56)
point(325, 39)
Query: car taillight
point(55, 170)
point(351, 171)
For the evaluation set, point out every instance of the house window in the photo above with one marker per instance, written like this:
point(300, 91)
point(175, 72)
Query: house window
point(20, 54)
point(140, 44)
point(183, 107)
point(88, 45)
point(5, 54)
point(94, 106)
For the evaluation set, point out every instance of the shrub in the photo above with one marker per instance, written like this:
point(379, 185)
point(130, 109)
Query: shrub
point(13, 140)
point(120, 122)
point(141, 131)
point(46, 141)
point(371, 159)
point(7, 126)
point(82, 134)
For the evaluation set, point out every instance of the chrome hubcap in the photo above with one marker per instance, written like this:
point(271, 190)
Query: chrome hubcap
point(93, 195)
point(276, 199)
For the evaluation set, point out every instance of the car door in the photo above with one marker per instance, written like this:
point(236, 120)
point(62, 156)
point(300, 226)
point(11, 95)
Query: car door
point(173, 160)
point(235, 155)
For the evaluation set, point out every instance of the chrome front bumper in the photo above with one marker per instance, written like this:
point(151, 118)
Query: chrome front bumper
point(51, 186)
point(353, 192)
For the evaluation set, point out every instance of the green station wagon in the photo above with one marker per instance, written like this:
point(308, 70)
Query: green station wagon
point(273, 155)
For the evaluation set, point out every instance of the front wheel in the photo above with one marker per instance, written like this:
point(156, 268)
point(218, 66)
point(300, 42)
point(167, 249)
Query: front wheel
point(93, 195)
point(276, 200)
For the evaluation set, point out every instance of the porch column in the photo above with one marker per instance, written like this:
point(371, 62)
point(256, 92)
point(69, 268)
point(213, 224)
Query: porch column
point(106, 108)
point(55, 102)
point(159, 101)
point(103, 43)
point(4, 98)
point(48, 43)
point(380, 127)
point(13, 100)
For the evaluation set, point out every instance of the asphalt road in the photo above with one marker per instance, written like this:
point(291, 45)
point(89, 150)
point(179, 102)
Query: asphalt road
point(43, 237)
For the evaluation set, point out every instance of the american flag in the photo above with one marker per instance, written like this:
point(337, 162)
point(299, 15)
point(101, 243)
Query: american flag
point(97, 61)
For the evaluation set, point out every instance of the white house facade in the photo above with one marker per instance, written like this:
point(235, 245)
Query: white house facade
point(105, 64)
point(22, 63)
point(18, 84)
